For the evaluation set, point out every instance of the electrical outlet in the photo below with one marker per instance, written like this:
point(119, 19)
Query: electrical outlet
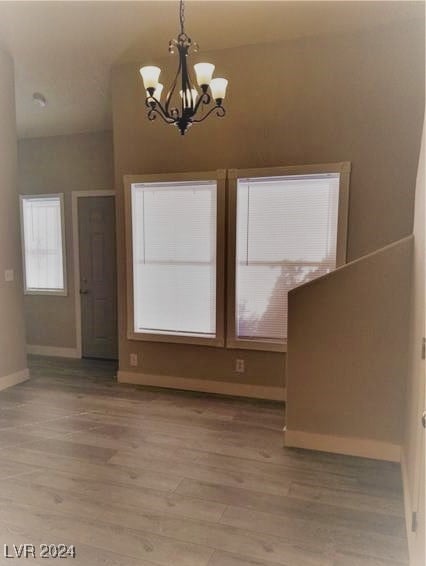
point(133, 360)
point(239, 366)
point(9, 275)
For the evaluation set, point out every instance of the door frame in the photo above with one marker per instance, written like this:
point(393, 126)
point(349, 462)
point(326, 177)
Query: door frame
point(75, 195)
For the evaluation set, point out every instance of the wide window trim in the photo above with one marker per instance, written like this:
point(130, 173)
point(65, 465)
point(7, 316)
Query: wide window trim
point(343, 168)
point(220, 177)
point(63, 292)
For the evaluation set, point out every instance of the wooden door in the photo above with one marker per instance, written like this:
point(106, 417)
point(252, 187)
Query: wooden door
point(98, 289)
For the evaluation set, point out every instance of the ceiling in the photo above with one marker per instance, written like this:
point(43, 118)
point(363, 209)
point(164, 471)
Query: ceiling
point(65, 49)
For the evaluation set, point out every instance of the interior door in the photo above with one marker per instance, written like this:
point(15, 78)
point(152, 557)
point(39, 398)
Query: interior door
point(98, 292)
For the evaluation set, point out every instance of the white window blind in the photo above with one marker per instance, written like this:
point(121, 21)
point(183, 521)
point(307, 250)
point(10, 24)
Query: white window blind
point(174, 258)
point(286, 236)
point(43, 244)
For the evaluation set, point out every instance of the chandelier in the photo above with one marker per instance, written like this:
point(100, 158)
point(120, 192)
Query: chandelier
point(192, 102)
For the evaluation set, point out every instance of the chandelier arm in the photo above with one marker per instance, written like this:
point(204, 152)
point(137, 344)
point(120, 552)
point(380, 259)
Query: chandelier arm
point(172, 88)
point(205, 98)
point(150, 100)
point(186, 95)
point(220, 111)
point(154, 112)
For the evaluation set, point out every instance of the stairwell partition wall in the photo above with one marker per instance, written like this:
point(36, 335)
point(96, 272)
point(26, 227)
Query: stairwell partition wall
point(285, 226)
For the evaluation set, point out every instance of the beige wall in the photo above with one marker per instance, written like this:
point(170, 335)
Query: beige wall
point(12, 333)
point(61, 164)
point(351, 98)
point(414, 436)
point(346, 367)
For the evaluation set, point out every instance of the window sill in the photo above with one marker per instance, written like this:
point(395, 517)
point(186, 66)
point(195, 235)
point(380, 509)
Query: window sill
point(216, 342)
point(46, 293)
point(230, 344)
point(258, 345)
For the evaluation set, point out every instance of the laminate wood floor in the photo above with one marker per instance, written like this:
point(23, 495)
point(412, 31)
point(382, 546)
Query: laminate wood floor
point(137, 476)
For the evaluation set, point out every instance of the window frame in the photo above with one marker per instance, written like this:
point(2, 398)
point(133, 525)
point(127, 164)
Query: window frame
point(220, 177)
point(343, 168)
point(49, 292)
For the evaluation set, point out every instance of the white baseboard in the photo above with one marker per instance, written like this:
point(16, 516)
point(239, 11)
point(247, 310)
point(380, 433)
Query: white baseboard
point(14, 378)
point(350, 446)
point(203, 385)
point(53, 351)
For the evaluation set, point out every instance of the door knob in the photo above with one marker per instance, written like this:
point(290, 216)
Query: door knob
point(84, 292)
point(424, 419)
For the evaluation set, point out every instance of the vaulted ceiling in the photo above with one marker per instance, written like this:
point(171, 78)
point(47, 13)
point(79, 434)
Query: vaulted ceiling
point(65, 49)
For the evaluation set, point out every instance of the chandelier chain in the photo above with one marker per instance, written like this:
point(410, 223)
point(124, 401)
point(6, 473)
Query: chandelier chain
point(182, 15)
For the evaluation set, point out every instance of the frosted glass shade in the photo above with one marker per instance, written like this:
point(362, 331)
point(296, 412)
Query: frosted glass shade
point(218, 88)
point(150, 76)
point(158, 90)
point(204, 73)
point(187, 98)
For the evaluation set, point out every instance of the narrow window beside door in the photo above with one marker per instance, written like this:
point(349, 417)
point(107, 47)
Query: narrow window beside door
point(43, 243)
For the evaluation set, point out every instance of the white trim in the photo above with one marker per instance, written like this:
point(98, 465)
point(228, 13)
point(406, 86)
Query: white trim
point(55, 292)
point(52, 351)
point(363, 447)
point(204, 385)
point(14, 378)
point(75, 195)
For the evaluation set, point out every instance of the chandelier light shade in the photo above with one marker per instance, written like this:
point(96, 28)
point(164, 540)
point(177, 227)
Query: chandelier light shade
point(150, 76)
point(192, 106)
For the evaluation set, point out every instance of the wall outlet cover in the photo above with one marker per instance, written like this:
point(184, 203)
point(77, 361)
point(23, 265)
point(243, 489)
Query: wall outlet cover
point(9, 275)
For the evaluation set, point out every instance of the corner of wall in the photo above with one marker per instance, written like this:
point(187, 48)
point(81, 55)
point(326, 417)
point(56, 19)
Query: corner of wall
point(14, 378)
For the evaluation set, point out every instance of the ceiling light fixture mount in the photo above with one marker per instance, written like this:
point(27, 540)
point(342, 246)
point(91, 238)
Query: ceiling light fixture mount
point(40, 99)
point(191, 100)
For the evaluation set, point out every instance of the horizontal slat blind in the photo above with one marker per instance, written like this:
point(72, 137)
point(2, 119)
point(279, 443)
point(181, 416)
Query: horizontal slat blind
point(286, 236)
point(42, 231)
point(174, 258)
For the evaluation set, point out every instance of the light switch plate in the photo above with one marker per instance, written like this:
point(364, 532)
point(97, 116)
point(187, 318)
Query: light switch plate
point(9, 275)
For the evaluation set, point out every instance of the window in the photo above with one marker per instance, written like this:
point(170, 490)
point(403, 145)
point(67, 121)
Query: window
point(176, 242)
point(43, 242)
point(285, 228)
